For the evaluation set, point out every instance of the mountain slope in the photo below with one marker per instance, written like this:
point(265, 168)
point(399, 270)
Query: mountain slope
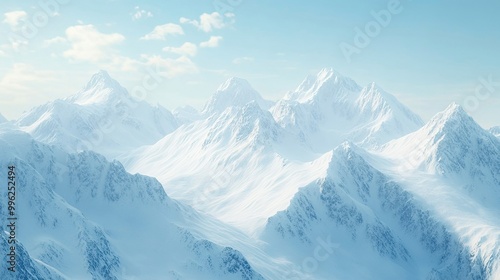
point(238, 166)
point(101, 117)
point(88, 218)
point(357, 223)
point(453, 145)
point(328, 108)
point(186, 115)
point(2, 119)
point(235, 92)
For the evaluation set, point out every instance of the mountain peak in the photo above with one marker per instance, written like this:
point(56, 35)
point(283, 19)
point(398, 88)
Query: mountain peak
point(234, 92)
point(445, 142)
point(100, 88)
point(101, 79)
point(324, 85)
point(234, 83)
point(451, 118)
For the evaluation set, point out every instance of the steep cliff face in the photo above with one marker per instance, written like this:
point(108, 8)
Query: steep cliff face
point(356, 221)
point(88, 218)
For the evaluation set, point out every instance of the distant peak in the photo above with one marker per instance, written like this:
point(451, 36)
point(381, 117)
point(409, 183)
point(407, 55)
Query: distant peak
point(327, 82)
point(454, 111)
point(100, 88)
point(328, 71)
point(452, 119)
point(234, 92)
point(101, 79)
point(234, 82)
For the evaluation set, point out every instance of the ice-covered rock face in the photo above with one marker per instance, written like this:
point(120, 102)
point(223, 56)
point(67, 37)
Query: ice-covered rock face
point(102, 117)
point(235, 92)
point(452, 144)
point(357, 217)
point(100, 88)
point(249, 123)
point(331, 106)
point(88, 218)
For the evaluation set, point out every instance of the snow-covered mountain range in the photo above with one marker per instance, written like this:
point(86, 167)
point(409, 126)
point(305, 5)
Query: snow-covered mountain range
point(333, 181)
point(102, 117)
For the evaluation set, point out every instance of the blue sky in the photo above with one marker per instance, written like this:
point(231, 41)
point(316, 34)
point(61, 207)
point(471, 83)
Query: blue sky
point(428, 54)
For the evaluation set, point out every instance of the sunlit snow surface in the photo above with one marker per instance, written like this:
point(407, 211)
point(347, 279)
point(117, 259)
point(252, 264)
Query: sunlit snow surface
point(333, 181)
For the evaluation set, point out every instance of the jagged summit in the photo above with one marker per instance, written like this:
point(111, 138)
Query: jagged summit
point(450, 143)
point(235, 92)
point(323, 86)
point(453, 120)
point(100, 79)
point(101, 88)
point(235, 83)
point(102, 117)
point(334, 107)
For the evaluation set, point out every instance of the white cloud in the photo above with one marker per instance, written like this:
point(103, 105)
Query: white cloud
point(88, 44)
point(170, 68)
point(212, 42)
point(208, 22)
point(54, 41)
point(187, 48)
point(161, 31)
point(14, 18)
point(244, 59)
point(140, 13)
point(22, 84)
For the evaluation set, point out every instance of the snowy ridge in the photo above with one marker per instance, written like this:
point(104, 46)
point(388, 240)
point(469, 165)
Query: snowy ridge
point(186, 115)
point(235, 92)
point(101, 88)
point(2, 119)
point(452, 144)
point(102, 117)
point(334, 181)
point(79, 209)
point(223, 151)
point(331, 106)
point(355, 208)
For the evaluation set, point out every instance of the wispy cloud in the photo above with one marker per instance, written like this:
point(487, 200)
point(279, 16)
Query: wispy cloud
point(141, 13)
point(244, 59)
point(14, 18)
point(54, 41)
point(88, 44)
point(212, 42)
point(208, 22)
point(160, 32)
point(187, 48)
